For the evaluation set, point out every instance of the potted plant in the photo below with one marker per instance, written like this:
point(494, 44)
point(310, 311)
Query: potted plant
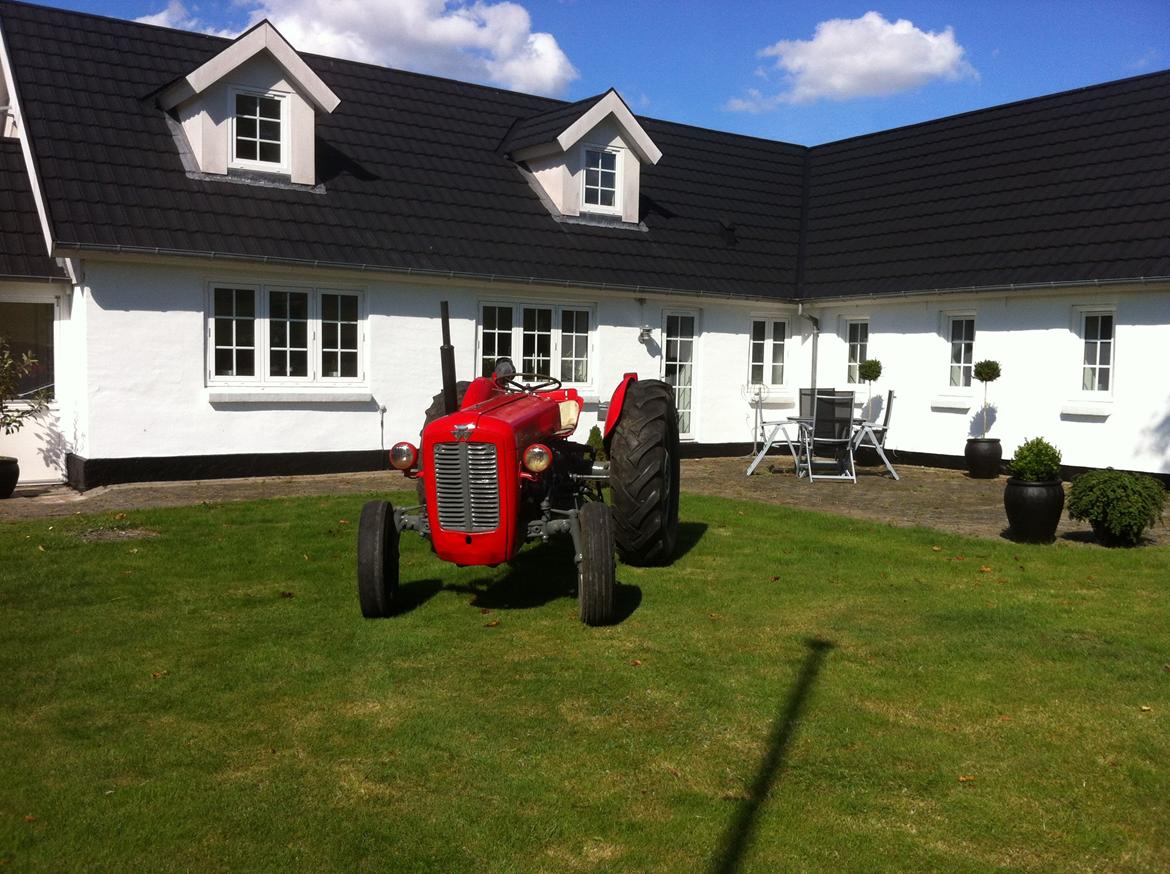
point(983, 453)
point(869, 371)
point(12, 418)
point(1034, 495)
point(1119, 505)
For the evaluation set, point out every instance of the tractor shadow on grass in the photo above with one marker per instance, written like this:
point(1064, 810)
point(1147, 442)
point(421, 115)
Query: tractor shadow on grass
point(689, 535)
point(540, 575)
point(740, 831)
point(415, 594)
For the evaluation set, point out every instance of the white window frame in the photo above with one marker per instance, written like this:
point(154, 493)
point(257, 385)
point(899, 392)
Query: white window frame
point(1081, 316)
point(556, 345)
point(55, 300)
point(688, 435)
point(262, 337)
point(768, 348)
point(852, 372)
point(616, 209)
point(285, 164)
point(948, 318)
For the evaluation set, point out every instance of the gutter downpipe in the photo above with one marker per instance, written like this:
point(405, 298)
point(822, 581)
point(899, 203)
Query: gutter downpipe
point(816, 335)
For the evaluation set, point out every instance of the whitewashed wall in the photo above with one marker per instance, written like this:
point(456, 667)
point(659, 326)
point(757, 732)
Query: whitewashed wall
point(145, 361)
point(1034, 338)
point(139, 330)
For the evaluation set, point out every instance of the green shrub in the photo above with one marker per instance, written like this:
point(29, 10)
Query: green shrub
point(596, 443)
point(986, 371)
point(869, 370)
point(1119, 505)
point(1036, 461)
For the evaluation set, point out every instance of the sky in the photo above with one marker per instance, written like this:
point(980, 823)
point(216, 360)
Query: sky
point(802, 72)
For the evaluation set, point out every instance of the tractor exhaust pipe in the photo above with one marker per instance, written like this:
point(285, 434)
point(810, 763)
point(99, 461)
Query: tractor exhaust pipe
point(447, 361)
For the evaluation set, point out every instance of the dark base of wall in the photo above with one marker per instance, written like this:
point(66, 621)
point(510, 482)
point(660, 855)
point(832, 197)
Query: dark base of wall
point(88, 473)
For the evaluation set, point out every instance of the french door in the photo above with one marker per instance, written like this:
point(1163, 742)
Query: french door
point(678, 363)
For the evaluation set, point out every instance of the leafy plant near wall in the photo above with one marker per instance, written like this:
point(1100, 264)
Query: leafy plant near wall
point(1036, 461)
point(596, 443)
point(1119, 505)
point(986, 371)
point(12, 370)
point(870, 370)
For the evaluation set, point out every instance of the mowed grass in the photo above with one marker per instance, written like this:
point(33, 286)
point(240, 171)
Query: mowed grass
point(797, 692)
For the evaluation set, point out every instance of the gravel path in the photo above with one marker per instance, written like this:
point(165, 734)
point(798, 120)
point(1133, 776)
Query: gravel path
point(946, 500)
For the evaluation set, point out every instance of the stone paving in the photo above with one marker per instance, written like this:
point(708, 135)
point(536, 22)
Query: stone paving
point(946, 500)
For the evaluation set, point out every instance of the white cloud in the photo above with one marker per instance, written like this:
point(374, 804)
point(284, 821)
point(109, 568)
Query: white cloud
point(480, 41)
point(177, 16)
point(858, 57)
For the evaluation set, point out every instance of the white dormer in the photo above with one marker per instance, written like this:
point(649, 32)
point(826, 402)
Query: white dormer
point(586, 158)
point(252, 108)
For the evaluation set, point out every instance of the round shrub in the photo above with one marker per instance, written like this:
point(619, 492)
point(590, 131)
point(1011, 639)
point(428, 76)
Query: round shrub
point(1036, 461)
point(986, 371)
point(1119, 505)
point(869, 370)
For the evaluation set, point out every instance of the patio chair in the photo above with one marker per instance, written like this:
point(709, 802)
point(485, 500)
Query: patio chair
point(872, 435)
point(776, 431)
point(828, 441)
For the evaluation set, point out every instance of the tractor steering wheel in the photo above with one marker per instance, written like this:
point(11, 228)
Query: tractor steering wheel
point(514, 382)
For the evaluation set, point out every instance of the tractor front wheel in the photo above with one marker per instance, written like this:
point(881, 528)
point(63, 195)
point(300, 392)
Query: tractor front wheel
point(595, 575)
point(643, 474)
point(377, 565)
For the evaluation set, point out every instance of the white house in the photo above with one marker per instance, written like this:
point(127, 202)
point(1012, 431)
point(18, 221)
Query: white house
point(229, 257)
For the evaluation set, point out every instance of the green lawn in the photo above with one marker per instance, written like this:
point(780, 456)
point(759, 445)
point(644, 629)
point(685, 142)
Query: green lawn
point(797, 693)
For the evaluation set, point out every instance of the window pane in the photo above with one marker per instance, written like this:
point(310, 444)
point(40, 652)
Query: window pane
point(348, 335)
point(245, 362)
point(270, 152)
point(329, 307)
point(269, 108)
point(592, 178)
point(298, 335)
point(758, 331)
point(606, 198)
point(1091, 327)
point(246, 104)
point(246, 128)
point(298, 363)
point(349, 364)
point(246, 149)
point(223, 332)
point(270, 130)
point(29, 329)
point(349, 308)
point(245, 302)
point(1106, 327)
point(1103, 379)
point(223, 362)
point(224, 299)
point(757, 373)
point(276, 363)
point(278, 333)
point(329, 335)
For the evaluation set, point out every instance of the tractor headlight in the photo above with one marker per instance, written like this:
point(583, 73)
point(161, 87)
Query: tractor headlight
point(537, 458)
point(403, 456)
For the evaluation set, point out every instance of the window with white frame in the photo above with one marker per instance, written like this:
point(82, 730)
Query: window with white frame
point(601, 180)
point(1097, 361)
point(857, 337)
point(767, 351)
point(259, 130)
point(961, 331)
point(553, 340)
point(284, 336)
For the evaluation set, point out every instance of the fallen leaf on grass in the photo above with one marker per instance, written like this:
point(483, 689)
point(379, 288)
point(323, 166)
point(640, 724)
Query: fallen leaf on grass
point(158, 675)
point(119, 515)
point(492, 624)
point(1145, 708)
point(984, 569)
point(775, 579)
point(713, 616)
point(936, 549)
point(1166, 667)
point(342, 521)
point(1005, 718)
point(637, 663)
point(287, 595)
point(966, 778)
point(40, 547)
point(484, 610)
point(28, 817)
point(305, 557)
point(959, 558)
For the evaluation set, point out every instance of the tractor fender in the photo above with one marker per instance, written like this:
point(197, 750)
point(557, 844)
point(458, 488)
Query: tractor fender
point(615, 407)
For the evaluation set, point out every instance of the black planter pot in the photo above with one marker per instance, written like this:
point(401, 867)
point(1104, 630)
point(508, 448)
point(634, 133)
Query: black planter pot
point(1033, 509)
point(983, 456)
point(9, 474)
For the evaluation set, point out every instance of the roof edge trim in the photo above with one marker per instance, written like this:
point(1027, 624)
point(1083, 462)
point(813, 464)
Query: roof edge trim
point(262, 37)
point(611, 104)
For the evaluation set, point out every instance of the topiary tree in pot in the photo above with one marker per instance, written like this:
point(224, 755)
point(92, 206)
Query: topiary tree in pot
point(1034, 495)
point(14, 416)
point(1119, 506)
point(984, 454)
point(869, 371)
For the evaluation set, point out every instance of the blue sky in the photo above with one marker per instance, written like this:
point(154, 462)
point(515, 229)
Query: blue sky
point(803, 72)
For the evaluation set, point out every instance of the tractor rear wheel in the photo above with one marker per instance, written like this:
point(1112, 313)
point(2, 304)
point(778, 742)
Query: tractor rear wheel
point(377, 565)
point(643, 474)
point(595, 575)
point(437, 410)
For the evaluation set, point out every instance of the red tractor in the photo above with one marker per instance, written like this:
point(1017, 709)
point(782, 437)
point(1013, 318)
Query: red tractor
point(496, 468)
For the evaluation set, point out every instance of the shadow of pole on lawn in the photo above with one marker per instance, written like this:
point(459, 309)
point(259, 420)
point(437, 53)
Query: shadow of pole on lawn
point(737, 839)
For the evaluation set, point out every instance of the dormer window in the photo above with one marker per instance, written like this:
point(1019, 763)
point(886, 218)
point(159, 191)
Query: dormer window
point(258, 140)
point(601, 185)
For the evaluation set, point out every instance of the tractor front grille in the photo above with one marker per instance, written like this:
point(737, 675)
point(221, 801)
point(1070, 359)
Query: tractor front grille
point(467, 488)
